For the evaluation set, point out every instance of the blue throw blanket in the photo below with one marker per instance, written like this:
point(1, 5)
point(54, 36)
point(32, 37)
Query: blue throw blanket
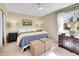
point(27, 39)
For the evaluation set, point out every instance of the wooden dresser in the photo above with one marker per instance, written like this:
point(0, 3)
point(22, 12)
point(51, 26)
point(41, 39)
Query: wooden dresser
point(69, 42)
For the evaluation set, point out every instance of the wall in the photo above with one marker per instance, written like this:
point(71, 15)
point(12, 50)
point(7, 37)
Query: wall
point(16, 21)
point(50, 25)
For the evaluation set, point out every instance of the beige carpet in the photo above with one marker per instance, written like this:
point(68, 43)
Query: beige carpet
point(11, 49)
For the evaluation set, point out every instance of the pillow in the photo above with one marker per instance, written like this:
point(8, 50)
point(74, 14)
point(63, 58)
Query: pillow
point(27, 29)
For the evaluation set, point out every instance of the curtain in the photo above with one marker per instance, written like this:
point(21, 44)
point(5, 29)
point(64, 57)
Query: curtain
point(1, 29)
point(60, 22)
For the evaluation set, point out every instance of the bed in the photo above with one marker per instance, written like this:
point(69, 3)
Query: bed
point(24, 38)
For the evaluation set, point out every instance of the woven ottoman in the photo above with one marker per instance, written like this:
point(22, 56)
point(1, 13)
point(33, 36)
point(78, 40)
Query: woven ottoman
point(47, 43)
point(36, 47)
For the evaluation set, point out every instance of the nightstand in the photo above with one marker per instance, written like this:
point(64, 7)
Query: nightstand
point(12, 37)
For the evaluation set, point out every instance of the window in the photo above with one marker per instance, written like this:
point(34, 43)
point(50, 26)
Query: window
point(68, 22)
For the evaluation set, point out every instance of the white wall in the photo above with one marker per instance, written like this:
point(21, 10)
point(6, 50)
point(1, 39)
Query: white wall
point(16, 20)
point(50, 25)
point(0, 29)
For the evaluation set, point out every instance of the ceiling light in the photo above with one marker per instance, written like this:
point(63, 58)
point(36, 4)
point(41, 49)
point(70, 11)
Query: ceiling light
point(39, 6)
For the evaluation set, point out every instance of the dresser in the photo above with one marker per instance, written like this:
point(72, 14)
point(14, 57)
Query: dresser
point(11, 37)
point(70, 43)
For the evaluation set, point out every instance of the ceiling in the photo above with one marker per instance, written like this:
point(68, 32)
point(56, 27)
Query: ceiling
point(31, 9)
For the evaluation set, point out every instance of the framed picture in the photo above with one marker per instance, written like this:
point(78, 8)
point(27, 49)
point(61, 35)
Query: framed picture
point(27, 22)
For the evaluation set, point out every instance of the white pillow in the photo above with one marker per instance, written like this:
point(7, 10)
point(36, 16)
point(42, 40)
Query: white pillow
point(27, 29)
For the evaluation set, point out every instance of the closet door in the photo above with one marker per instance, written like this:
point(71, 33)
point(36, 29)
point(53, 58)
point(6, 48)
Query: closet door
point(0, 29)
